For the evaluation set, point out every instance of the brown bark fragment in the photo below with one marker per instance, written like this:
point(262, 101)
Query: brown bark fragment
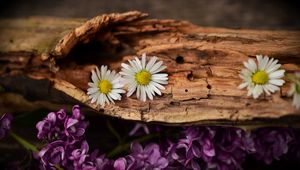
point(203, 67)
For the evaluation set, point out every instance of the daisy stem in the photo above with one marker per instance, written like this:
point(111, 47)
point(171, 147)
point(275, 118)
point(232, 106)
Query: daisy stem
point(113, 131)
point(24, 142)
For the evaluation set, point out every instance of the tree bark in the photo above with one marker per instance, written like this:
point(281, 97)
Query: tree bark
point(203, 64)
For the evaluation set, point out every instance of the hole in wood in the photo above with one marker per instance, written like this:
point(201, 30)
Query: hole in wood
point(208, 86)
point(186, 90)
point(190, 76)
point(179, 60)
point(119, 49)
point(174, 103)
point(94, 52)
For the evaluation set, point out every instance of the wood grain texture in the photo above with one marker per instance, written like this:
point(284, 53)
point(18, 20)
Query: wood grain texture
point(203, 67)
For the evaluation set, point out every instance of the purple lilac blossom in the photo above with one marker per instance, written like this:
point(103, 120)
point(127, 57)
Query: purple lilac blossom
point(193, 149)
point(65, 133)
point(54, 154)
point(59, 125)
point(271, 143)
point(5, 124)
point(232, 146)
point(223, 148)
point(294, 146)
point(147, 158)
point(210, 148)
point(78, 156)
point(84, 161)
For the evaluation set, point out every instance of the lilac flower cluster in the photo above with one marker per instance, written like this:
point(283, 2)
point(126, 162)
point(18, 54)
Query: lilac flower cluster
point(5, 124)
point(65, 137)
point(59, 125)
point(271, 143)
point(148, 158)
point(223, 148)
point(226, 148)
point(68, 149)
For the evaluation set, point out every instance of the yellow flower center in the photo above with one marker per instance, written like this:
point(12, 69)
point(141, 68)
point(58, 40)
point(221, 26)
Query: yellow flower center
point(143, 77)
point(260, 77)
point(104, 86)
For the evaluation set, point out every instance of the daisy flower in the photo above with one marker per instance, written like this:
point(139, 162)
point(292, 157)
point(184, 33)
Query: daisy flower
point(295, 91)
point(144, 78)
point(105, 87)
point(265, 76)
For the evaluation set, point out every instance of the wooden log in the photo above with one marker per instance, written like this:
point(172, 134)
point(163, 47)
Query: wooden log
point(203, 65)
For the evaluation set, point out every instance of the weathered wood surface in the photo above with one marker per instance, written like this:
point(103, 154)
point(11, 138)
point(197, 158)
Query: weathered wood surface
point(40, 63)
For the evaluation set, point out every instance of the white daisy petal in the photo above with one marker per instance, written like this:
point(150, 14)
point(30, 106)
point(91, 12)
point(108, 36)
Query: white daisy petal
point(263, 77)
point(273, 68)
point(94, 99)
point(250, 65)
point(159, 69)
point(112, 76)
point(158, 86)
point(259, 58)
point(154, 88)
point(262, 63)
point(151, 63)
point(110, 99)
point(272, 87)
point(266, 90)
point(250, 90)
point(92, 90)
point(114, 96)
point(160, 76)
point(160, 81)
point(138, 91)
point(155, 67)
point(277, 82)
point(98, 73)
point(92, 84)
point(118, 91)
point(143, 94)
point(100, 100)
point(144, 61)
point(149, 92)
point(133, 66)
point(116, 79)
point(103, 71)
point(117, 85)
point(243, 85)
point(276, 74)
point(257, 91)
point(126, 68)
point(131, 90)
point(138, 63)
point(94, 77)
point(269, 64)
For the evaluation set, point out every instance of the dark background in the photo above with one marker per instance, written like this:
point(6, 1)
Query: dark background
point(254, 14)
point(258, 14)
